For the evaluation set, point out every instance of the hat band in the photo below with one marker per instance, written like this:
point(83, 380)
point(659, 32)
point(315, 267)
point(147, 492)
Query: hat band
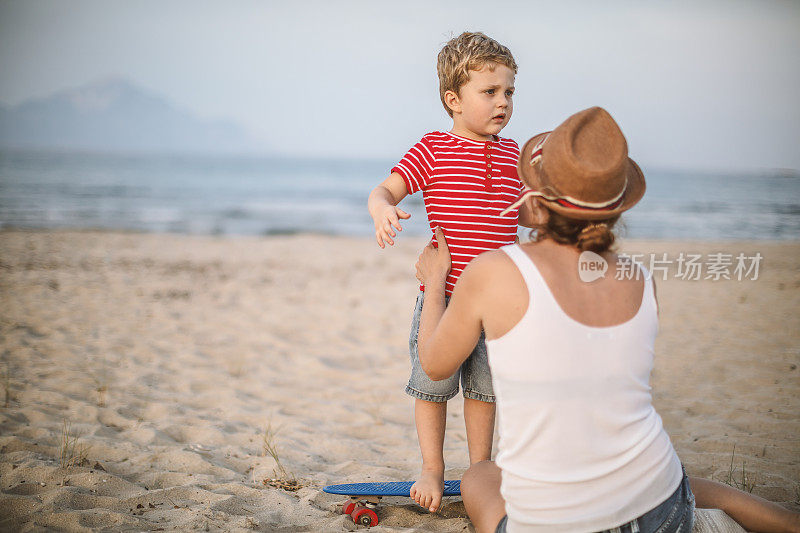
point(569, 202)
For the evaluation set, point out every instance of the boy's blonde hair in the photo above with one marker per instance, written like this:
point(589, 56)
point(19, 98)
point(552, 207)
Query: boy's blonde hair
point(468, 51)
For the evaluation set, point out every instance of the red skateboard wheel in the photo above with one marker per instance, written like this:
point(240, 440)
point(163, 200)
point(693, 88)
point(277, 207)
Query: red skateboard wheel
point(348, 506)
point(364, 516)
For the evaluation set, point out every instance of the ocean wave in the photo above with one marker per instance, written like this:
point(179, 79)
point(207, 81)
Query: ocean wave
point(286, 197)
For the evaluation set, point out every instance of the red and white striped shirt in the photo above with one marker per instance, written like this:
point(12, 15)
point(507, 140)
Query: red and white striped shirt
point(465, 184)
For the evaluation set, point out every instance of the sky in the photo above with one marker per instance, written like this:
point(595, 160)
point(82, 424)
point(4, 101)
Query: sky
point(708, 85)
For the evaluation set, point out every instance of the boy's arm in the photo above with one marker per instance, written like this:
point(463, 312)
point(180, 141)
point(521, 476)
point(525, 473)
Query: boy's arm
point(382, 205)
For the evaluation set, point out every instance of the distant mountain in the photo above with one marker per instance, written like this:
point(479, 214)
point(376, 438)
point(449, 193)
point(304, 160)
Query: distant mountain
point(114, 115)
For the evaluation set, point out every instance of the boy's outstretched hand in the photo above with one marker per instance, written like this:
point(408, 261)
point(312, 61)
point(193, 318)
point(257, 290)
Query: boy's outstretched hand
point(388, 218)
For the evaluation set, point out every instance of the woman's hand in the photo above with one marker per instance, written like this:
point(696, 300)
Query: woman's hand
point(433, 264)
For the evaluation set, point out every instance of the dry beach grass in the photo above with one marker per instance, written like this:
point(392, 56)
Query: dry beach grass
point(168, 382)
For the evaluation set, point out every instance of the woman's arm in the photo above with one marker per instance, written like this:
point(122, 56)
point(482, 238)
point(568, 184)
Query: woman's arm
point(447, 335)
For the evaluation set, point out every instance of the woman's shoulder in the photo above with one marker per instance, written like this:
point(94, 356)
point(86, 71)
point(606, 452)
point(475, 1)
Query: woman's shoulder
point(487, 266)
point(490, 259)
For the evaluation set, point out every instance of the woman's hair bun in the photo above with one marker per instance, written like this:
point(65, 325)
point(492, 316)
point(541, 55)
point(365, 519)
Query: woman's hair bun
point(595, 237)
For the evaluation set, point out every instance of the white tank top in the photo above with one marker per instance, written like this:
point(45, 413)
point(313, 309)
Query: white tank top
point(581, 447)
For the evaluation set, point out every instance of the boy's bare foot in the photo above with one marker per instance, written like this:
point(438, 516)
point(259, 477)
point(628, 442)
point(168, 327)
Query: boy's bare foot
point(428, 489)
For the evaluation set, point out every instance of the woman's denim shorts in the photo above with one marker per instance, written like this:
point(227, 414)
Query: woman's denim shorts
point(675, 515)
point(476, 380)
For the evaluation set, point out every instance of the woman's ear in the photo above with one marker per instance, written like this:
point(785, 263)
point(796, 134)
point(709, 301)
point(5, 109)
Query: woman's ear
point(453, 101)
point(541, 215)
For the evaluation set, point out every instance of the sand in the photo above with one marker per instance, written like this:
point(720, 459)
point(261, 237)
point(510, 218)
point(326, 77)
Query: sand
point(169, 358)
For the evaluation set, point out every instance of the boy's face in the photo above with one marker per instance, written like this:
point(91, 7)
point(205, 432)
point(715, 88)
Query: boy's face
point(484, 104)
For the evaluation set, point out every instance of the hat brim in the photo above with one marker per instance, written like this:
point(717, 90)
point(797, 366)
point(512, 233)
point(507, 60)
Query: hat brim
point(535, 180)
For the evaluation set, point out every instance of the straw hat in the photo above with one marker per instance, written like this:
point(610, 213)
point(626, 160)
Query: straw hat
point(581, 169)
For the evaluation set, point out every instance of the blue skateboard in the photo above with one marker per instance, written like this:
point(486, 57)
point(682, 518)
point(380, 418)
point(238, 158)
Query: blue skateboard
point(364, 497)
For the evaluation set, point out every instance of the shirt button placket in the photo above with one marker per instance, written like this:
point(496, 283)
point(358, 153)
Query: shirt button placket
point(488, 166)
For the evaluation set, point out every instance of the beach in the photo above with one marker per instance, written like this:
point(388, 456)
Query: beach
point(177, 382)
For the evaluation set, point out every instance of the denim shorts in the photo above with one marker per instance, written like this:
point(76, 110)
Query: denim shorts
point(476, 380)
point(675, 515)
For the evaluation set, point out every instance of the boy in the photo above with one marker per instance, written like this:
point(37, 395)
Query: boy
point(467, 176)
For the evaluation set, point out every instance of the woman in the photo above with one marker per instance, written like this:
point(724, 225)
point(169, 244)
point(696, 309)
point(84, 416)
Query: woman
point(581, 447)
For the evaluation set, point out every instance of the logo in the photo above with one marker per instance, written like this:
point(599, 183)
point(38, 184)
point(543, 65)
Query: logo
point(591, 266)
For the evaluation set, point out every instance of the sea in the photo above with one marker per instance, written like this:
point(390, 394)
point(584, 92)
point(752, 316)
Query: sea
point(227, 195)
